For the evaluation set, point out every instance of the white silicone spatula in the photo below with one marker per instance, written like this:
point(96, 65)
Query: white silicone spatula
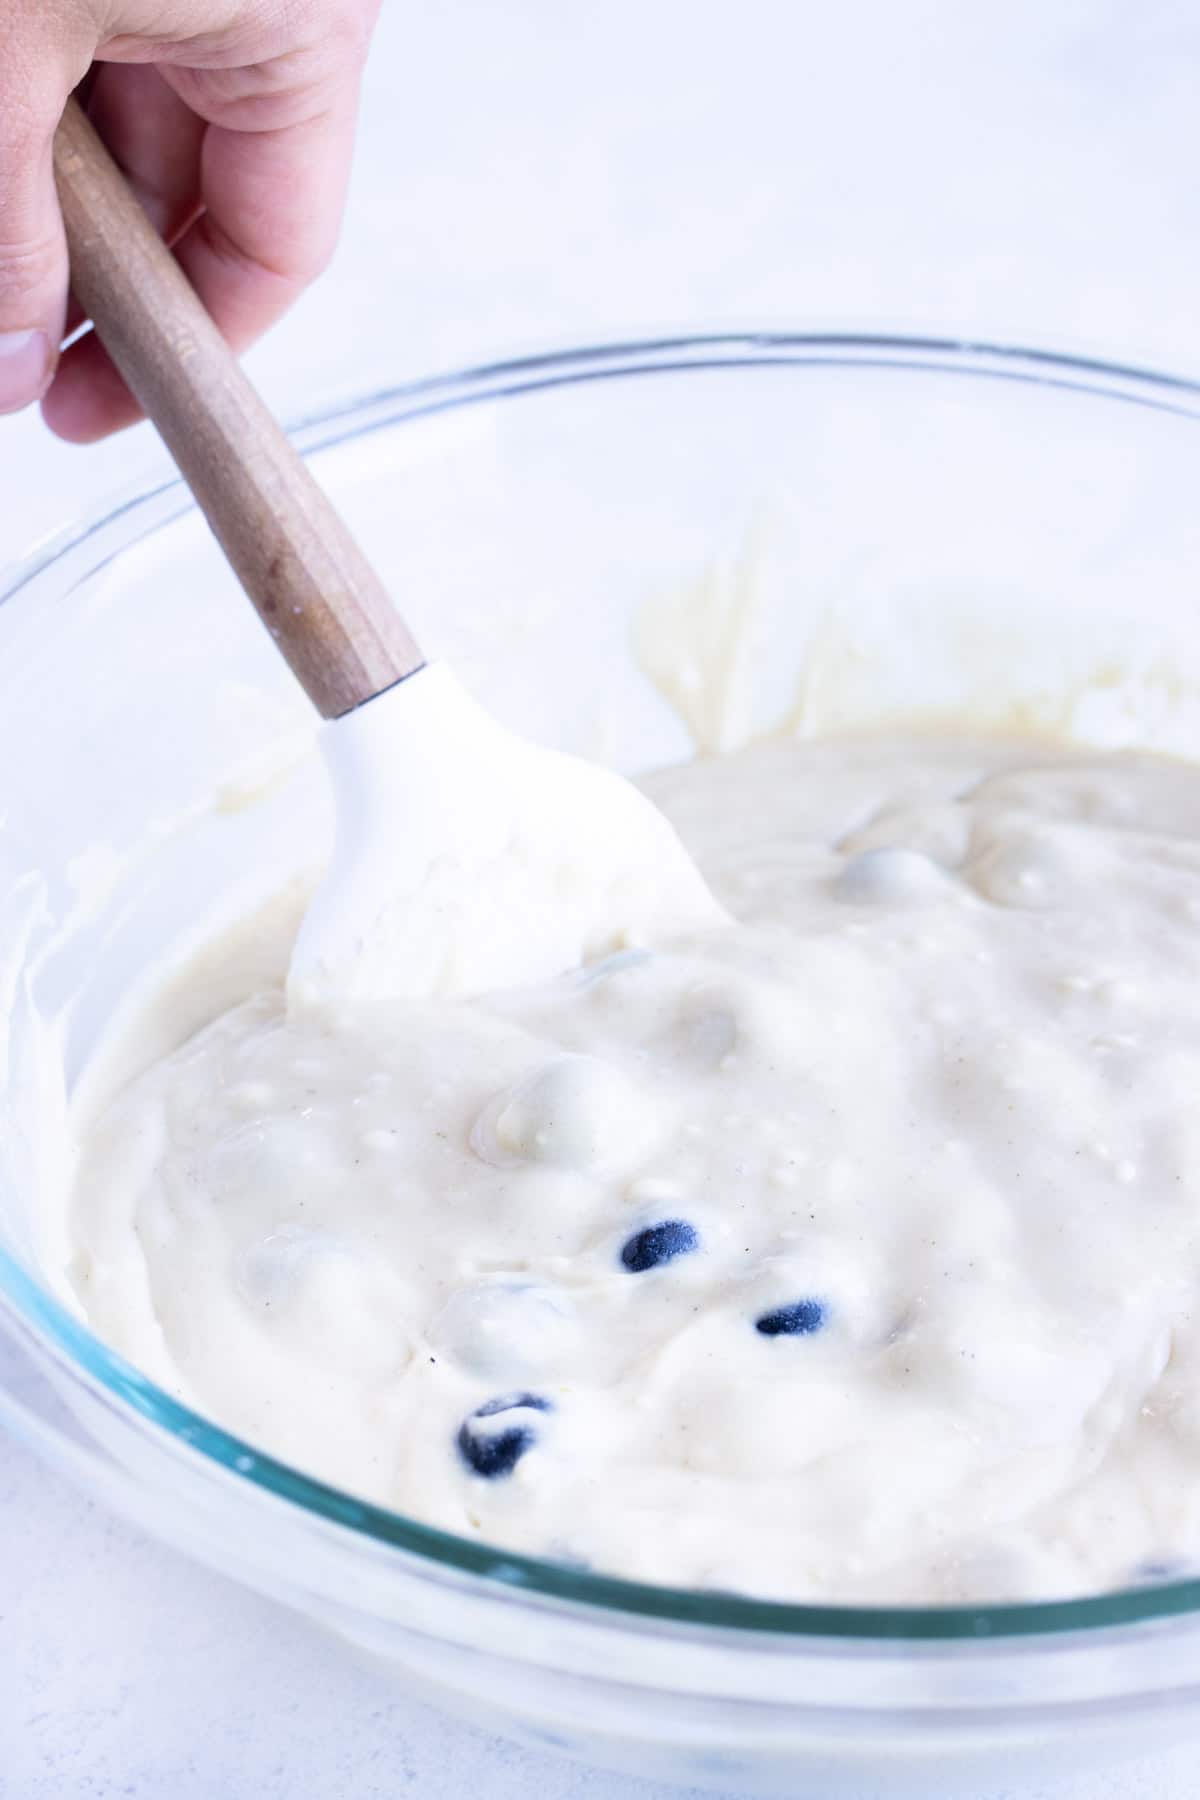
point(465, 858)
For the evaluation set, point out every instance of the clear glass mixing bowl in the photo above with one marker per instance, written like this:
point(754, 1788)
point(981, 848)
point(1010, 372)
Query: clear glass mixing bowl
point(872, 528)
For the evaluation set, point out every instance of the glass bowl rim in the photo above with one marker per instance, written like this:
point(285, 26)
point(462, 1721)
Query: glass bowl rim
point(406, 402)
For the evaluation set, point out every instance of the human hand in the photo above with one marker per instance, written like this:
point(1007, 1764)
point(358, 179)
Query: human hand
point(234, 123)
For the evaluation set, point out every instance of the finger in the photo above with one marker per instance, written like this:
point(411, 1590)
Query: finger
point(273, 207)
point(33, 253)
point(273, 204)
point(87, 399)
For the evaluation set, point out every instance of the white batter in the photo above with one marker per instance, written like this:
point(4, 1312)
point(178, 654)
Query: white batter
point(852, 1252)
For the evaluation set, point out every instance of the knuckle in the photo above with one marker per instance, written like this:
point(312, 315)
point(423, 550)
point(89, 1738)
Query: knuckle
point(298, 69)
point(28, 266)
point(287, 91)
point(301, 258)
point(293, 261)
point(354, 27)
point(342, 28)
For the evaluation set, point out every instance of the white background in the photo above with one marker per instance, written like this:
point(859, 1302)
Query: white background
point(534, 172)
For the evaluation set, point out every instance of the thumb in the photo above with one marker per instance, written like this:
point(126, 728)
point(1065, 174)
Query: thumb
point(33, 251)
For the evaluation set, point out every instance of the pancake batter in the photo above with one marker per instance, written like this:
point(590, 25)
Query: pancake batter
point(849, 1253)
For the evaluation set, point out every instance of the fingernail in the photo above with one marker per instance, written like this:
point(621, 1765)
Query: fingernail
point(24, 368)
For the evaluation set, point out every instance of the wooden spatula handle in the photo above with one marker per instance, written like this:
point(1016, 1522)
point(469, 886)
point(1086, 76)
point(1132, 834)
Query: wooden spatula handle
point(315, 591)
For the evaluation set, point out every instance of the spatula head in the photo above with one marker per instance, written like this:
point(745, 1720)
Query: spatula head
point(467, 860)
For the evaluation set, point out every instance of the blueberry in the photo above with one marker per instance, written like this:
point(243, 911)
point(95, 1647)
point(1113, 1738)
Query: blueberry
point(799, 1318)
point(496, 1450)
point(497, 1454)
point(658, 1244)
point(509, 1403)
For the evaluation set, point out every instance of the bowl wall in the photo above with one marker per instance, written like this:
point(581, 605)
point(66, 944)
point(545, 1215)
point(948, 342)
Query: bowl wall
point(632, 553)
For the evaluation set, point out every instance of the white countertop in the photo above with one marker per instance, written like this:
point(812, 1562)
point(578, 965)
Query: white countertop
point(536, 173)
